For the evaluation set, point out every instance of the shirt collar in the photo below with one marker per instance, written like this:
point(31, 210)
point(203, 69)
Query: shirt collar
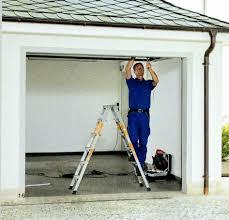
point(139, 79)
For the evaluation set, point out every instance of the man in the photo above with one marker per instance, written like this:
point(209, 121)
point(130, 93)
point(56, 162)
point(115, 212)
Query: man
point(139, 105)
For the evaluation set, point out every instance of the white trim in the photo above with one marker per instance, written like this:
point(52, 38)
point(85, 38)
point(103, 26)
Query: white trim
point(117, 42)
point(186, 147)
point(105, 32)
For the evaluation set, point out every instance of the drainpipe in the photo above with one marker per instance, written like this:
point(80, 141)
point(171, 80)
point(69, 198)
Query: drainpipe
point(212, 34)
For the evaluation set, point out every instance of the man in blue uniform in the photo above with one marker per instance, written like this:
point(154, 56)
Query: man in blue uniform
point(139, 105)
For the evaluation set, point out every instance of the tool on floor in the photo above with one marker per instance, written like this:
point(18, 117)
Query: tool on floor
point(162, 166)
point(90, 147)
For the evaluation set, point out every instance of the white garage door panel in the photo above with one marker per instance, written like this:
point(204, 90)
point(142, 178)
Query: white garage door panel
point(64, 99)
point(166, 112)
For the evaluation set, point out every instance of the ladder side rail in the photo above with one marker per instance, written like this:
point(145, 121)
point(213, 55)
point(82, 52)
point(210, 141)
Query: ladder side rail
point(80, 165)
point(90, 152)
point(125, 132)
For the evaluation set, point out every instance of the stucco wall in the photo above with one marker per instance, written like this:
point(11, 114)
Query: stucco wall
point(21, 38)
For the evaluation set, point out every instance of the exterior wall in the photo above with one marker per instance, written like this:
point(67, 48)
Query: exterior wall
point(194, 5)
point(225, 89)
point(215, 131)
point(0, 76)
point(219, 10)
point(17, 40)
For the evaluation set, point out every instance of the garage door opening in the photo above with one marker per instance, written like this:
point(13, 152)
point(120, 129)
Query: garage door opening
point(64, 98)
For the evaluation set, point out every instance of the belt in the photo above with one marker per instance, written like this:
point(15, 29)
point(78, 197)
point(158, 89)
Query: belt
point(139, 110)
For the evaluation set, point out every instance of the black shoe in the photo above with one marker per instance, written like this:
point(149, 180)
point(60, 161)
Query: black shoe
point(131, 158)
point(145, 168)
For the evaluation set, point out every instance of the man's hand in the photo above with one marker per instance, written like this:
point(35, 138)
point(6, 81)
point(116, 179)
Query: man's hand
point(128, 68)
point(152, 73)
point(148, 65)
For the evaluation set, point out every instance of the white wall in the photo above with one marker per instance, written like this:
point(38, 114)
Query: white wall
point(225, 83)
point(219, 9)
point(64, 100)
point(165, 117)
point(194, 5)
point(41, 38)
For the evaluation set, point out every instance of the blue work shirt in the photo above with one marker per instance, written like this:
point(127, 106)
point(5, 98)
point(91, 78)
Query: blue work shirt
point(139, 93)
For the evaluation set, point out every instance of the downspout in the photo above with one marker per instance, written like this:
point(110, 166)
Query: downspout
point(212, 34)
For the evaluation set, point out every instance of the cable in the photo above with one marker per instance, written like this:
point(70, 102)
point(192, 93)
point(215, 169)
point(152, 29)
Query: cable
point(92, 174)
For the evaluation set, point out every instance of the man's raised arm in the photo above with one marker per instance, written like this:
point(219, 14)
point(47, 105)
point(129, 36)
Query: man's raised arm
point(153, 74)
point(128, 68)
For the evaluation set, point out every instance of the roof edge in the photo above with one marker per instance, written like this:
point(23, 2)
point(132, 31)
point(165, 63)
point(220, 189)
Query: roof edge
point(109, 24)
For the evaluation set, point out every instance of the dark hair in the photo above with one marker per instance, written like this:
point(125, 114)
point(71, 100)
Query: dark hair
point(137, 64)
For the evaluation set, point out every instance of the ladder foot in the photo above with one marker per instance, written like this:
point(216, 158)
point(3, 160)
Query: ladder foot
point(148, 189)
point(70, 187)
point(141, 184)
point(74, 192)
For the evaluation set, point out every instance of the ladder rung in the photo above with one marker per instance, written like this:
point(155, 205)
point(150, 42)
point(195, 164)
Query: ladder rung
point(90, 148)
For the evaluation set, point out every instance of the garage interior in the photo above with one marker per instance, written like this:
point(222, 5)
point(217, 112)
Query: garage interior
point(64, 98)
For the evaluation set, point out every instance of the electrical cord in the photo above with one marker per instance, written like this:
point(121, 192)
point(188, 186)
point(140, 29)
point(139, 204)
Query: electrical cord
point(101, 174)
point(91, 174)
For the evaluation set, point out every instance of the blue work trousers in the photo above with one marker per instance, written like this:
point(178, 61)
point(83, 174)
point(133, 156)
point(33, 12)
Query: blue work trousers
point(139, 131)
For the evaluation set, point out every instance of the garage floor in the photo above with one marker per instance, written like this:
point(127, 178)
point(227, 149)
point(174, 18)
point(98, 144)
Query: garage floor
point(117, 176)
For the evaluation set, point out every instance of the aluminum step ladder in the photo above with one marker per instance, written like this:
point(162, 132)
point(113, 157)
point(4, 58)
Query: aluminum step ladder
point(90, 147)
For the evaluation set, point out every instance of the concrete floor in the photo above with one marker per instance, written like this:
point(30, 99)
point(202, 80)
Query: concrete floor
point(113, 202)
point(118, 176)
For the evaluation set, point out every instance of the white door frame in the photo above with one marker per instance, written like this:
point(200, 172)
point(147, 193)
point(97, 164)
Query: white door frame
point(183, 128)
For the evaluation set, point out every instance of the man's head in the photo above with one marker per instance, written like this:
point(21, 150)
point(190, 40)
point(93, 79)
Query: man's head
point(138, 69)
